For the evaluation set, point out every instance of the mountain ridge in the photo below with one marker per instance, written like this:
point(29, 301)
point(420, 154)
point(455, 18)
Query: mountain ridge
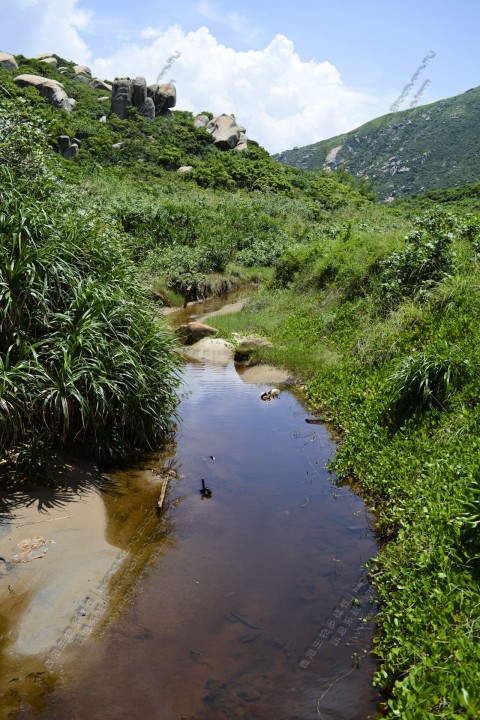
point(406, 152)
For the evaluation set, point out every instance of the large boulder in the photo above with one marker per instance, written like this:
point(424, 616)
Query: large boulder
point(149, 101)
point(82, 70)
point(50, 61)
point(242, 142)
point(121, 97)
point(7, 61)
point(215, 351)
point(83, 79)
point(163, 96)
point(226, 133)
point(201, 121)
point(68, 149)
point(147, 109)
point(50, 89)
point(97, 84)
point(139, 91)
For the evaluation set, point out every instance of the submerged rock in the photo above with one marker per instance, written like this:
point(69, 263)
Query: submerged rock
point(194, 331)
point(215, 351)
point(246, 348)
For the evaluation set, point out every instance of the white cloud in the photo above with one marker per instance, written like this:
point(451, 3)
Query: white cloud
point(282, 100)
point(31, 27)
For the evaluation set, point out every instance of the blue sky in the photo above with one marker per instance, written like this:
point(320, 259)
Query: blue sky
point(292, 73)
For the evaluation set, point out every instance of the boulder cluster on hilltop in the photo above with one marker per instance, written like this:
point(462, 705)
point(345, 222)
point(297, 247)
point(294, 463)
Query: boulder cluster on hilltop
point(149, 100)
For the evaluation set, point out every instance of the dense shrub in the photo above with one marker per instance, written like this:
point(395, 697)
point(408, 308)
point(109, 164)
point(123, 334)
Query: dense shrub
point(427, 258)
point(83, 360)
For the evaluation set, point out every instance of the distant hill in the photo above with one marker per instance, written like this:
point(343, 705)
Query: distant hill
point(407, 152)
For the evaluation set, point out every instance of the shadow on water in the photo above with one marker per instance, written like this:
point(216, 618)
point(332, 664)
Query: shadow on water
point(259, 608)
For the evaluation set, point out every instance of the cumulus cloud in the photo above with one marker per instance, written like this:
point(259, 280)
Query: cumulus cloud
point(281, 99)
point(31, 27)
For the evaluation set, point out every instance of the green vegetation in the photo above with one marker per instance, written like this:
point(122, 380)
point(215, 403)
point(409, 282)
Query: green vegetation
point(375, 306)
point(84, 362)
point(403, 153)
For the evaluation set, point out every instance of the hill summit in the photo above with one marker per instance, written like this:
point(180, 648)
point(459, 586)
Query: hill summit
point(407, 152)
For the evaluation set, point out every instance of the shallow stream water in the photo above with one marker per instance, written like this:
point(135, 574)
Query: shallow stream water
point(258, 600)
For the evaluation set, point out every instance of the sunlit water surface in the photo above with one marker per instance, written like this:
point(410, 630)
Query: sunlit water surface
point(258, 605)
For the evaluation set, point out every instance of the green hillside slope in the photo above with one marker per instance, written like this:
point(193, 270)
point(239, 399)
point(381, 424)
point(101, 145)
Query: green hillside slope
point(405, 153)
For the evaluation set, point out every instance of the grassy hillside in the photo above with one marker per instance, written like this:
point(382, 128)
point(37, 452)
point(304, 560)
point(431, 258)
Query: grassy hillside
point(375, 306)
point(404, 153)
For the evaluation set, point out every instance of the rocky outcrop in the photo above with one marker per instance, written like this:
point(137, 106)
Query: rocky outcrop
point(147, 109)
point(7, 61)
point(83, 79)
point(139, 91)
point(50, 89)
point(82, 70)
point(201, 121)
point(149, 101)
point(185, 169)
point(97, 84)
point(227, 134)
point(50, 61)
point(215, 351)
point(121, 97)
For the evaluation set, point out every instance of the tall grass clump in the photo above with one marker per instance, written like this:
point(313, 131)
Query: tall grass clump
point(422, 380)
point(84, 363)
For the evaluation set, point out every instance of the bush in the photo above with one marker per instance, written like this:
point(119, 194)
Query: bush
point(428, 257)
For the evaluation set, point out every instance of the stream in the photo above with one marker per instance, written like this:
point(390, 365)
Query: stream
point(249, 603)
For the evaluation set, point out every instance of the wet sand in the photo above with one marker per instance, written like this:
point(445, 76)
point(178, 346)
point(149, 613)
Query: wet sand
point(77, 558)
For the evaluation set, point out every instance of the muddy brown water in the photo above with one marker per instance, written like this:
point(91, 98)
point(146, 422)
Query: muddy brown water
point(258, 601)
